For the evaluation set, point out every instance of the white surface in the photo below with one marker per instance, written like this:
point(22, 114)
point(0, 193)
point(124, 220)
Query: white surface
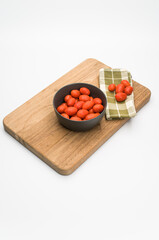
point(115, 193)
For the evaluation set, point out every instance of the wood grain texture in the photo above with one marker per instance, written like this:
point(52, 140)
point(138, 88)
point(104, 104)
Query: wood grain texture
point(35, 125)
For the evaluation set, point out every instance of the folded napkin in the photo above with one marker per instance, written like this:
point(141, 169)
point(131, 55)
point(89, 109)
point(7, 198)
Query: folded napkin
point(116, 109)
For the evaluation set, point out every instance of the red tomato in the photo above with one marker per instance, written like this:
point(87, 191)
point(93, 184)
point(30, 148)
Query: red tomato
point(120, 97)
point(71, 111)
point(82, 113)
point(88, 105)
point(90, 116)
point(75, 93)
point(128, 90)
point(120, 88)
point(84, 91)
point(65, 115)
point(79, 104)
point(112, 87)
point(84, 98)
point(91, 111)
point(76, 100)
point(71, 101)
point(64, 104)
point(76, 119)
point(91, 99)
point(125, 83)
point(98, 108)
point(67, 97)
point(97, 101)
point(61, 108)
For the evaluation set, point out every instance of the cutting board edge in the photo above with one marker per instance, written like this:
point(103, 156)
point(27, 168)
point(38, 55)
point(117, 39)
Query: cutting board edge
point(36, 153)
point(65, 171)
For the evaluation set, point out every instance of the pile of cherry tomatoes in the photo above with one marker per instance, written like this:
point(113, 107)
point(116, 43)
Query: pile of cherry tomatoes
point(79, 105)
point(122, 90)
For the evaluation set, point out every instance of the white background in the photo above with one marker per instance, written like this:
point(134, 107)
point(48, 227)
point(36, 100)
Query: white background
point(115, 193)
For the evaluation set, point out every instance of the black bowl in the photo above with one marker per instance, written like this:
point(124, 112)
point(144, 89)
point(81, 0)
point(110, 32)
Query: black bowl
point(78, 125)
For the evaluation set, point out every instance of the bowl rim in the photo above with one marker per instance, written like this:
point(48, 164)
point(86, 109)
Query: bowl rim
point(77, 120)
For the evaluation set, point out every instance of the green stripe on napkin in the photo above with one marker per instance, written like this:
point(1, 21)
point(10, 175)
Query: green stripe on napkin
point(116, 109)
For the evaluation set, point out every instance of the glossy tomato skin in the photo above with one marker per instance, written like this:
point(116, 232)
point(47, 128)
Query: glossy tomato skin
point(97, 101)
point(61, 108)
point(76, 100)
point(97, 108)
point(75, 93)
point(71, 111)
point(84, 91)
point(84, 98)
point(120, 97)
point(64, 104)
point(79, 104)
point(128, 90)
point(91, 99)
point(67, 97)
point(88, 105)
point(91, 116)
point(82, 113)
point(91, 111)
point(112, 87)
point(125, 83)
point(76, 119)
point(71, 102)
point(120, 88)
point(65, 115)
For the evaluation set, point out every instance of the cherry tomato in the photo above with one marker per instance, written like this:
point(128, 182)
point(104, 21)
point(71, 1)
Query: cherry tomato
point(61, 108)
point(75, 93)
point(84, 98)
point(71, 101)
point(82, 113)
point(91, 111)
point(76, 100)
point(64, 104)
point(71, 111)
point(97, 101)
point(65, 115)
point(128, 90)
point(88, 105)
point(98, 108)
point(84, 91)
point(79, 104)
point(76, 119)
point(120, 88)
point(120, 97)
point(112, 87)
point(67, 97)
point(125, 83)
point(91, 99)
point(91, 116)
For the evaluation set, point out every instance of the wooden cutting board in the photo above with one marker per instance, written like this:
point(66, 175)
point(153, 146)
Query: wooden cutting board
point(35, 125)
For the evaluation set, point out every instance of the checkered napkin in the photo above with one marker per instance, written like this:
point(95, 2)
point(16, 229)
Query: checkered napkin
point(116, 109)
